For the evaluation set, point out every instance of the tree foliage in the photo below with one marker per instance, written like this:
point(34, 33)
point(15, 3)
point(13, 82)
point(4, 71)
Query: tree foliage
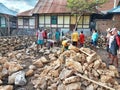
point(83, 6)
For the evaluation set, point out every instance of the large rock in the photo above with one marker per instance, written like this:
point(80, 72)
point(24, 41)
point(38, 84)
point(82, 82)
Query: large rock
point(71, 79)
point(3, 60)
point(97, 64)
point(90, 87)
point(106, 78)
point(29, 73)
point(61, 87)
point(12, 66)
point(38, 63)
point(114, 69)
point(32, 67)
point(65, 73)
point(17, 78)
point(74, 65)
point(74, 86)
point(7, 87)
point(4, 72)
point(44, 60)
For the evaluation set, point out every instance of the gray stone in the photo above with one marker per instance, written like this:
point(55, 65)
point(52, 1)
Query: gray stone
point(65, 73)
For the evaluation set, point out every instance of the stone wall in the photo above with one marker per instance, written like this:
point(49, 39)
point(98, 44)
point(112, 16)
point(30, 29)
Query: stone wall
point(8, 44)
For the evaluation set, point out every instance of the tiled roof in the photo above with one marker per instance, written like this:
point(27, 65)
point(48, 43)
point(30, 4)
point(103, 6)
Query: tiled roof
point(5, 10)
point(26, 13)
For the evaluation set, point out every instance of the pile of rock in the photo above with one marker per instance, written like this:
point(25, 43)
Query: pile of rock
point(101, 42)
point(83, 70)
point(74, 69)
point(15, 43)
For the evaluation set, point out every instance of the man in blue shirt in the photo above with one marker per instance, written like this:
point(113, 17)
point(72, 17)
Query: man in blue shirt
point(94, 38)
point(57, 37)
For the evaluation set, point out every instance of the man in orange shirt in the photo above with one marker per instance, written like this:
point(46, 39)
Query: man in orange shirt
point(74, 38)
point(81, 39)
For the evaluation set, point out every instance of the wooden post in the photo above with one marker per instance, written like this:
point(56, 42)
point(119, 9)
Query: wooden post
point(8, 23)
point(98, 83)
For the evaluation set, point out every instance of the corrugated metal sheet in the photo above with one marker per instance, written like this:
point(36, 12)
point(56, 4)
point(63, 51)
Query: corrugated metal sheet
point(5, 10)
point(107, 6)
point(115, 10)
point(26, 13)
point(51, 6)
point(59, 6)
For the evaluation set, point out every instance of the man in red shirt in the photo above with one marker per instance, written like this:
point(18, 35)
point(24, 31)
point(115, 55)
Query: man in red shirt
point(81, 39)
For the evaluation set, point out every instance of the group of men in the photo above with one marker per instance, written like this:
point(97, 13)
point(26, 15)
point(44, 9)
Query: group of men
point(45, 38)
point(113, 45)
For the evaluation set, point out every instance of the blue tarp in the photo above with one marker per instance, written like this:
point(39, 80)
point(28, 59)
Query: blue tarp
point(5, 10)
point(115, 10)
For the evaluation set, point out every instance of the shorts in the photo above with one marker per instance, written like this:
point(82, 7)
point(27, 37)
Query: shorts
point(113, 51)
point(94, 43)
point(40, 42)
point(74, 43)
point(45, 40)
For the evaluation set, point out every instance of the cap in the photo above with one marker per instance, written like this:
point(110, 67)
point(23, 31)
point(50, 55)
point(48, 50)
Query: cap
point(113, 29)
point(108, 30)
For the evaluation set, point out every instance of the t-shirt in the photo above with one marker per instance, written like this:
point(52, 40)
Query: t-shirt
point(95, 36)
point(75, 36)
point(57, 35)
point(82, 38)
point(111, 39)
point(64, 43)
point(40, 35)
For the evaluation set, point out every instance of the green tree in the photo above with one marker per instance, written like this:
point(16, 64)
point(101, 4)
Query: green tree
point(81, 7)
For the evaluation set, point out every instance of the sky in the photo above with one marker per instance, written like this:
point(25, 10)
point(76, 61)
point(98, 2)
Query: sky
point(19, 5)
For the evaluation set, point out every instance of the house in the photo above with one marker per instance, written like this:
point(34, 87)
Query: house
point(52, 14)
point(116, 17)
point(8, 20)
point(105, 20)
point(26, 20)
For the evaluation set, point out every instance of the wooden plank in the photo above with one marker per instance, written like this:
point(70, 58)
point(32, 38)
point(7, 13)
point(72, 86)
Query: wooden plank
point(98, 83)
point(87, 53)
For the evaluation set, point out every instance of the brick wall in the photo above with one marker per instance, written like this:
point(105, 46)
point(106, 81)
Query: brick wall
point(102, 24)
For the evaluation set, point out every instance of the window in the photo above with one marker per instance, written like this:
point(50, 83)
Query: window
point(53, 19)
point(2, 22)
point(25, 21)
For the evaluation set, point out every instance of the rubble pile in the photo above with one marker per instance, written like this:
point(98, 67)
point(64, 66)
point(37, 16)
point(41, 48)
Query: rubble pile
point(15, 43)
point(74, 69)
point(101, 42)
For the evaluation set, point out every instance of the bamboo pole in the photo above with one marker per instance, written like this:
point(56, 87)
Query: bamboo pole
point(98, 83)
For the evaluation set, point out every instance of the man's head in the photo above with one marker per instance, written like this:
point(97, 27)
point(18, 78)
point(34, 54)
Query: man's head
point(114, 31)
point(81, 31)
